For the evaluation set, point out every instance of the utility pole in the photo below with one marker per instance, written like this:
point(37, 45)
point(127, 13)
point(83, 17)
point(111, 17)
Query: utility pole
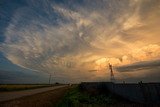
point(49, 79)
point(112, 79)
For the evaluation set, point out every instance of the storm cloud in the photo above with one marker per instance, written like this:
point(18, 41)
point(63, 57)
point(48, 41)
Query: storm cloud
point(140, 66)
point(69, 38)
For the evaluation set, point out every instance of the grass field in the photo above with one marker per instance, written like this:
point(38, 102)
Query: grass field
point(76, 98)
point(16, 87)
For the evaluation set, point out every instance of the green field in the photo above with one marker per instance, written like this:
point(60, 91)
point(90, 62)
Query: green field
point(16, 87)
point(76, 98)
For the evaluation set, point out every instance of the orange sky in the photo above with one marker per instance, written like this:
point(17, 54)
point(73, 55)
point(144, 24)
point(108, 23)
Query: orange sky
point(79, 41)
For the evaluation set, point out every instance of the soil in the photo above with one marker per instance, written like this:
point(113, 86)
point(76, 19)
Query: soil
point(45, 99)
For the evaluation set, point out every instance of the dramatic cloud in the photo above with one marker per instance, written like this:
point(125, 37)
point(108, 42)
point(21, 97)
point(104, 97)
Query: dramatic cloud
point(140, 66)
point(75, 40)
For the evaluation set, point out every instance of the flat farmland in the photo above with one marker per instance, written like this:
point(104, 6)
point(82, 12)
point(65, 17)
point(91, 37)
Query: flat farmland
point(16, 87)
point(48, 98)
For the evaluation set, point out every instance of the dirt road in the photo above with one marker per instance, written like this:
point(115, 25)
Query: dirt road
point(44, 99)
point(5, 96)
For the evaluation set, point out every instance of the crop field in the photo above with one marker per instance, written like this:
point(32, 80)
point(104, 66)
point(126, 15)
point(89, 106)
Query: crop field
point(16, 87)
point(75, 97)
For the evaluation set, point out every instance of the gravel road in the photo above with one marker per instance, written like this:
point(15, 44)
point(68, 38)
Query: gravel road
point(6, 96)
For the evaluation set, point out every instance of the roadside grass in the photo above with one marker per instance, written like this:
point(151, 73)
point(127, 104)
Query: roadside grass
point(76, 98)
point(16, 87)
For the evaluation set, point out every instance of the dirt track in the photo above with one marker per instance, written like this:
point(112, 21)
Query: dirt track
point(45, 99)
point(6, 96)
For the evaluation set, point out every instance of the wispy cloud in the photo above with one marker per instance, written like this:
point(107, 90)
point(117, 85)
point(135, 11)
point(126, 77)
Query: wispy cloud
point(69, 38)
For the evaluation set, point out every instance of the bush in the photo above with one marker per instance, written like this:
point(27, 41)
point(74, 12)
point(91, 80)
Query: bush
point(75, 97)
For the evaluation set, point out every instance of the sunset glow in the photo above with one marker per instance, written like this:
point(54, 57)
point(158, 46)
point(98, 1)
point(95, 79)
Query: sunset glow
point(75, 40)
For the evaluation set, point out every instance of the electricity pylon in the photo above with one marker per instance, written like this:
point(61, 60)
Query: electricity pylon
point(112, 79)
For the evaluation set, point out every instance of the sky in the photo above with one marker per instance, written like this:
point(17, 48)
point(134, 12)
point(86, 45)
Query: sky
point(74, 40)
